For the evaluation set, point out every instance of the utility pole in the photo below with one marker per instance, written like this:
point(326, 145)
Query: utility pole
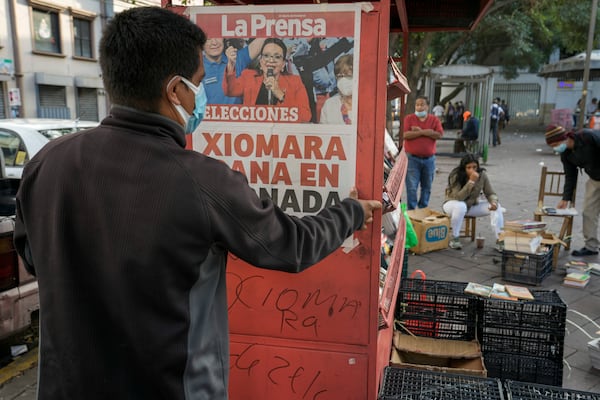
point(586, 68)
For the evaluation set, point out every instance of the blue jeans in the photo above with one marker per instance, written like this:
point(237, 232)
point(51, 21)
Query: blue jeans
point(420, 171)
point(494, 130)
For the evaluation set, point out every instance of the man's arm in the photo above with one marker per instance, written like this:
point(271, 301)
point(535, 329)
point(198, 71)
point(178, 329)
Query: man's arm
point(570, 181)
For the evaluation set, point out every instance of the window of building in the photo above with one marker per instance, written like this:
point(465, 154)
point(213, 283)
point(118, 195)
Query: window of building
point(53, 102)
point(46, 32)
point(82, 37)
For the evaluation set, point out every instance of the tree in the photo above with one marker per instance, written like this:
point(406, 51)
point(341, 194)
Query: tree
point(514, 34)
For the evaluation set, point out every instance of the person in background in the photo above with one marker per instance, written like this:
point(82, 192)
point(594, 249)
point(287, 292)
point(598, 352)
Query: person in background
point(338, 108)
point(438, 112)
point(595, 121)
point(505, 117)
point(592, 107)
point(576, 113)
point(449, 115)
point(495, 112)
point(465, 185)
point(130, 253)
point(216, 57)
point(460, 109)
point(270, 84)
point(471, 127)
point(580, 150)
point(421, 131)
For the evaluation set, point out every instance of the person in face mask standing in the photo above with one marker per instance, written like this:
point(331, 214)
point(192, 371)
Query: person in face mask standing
point(128, 232)
point(421, 130)
point(580, 150)
point(338, 108)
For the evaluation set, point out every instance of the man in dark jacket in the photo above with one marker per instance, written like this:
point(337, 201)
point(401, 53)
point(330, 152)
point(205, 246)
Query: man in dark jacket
point(128, 232)
point(580, 150)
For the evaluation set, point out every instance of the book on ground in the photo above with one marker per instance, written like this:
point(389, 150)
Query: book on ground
point(577, 279)
point(594, 268)
point(576, 284)
point(519, 292)
point(577, 276)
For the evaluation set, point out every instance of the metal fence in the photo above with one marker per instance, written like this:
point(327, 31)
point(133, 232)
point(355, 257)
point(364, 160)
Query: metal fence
point(523, 99)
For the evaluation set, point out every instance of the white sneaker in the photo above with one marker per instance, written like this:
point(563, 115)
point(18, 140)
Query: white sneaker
point(455, 244)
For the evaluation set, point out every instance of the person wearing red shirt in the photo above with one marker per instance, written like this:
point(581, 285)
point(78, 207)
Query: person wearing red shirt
point(421, 131)
point(270, 85)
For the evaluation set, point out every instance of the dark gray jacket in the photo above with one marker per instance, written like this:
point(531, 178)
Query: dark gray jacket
point(128, 234)
point(586, 155)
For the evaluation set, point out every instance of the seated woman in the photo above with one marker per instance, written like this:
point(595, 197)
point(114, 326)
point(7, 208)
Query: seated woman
point(465, 184)
point(270, 84)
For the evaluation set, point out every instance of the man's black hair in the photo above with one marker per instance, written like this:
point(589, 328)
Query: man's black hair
point(141, 48)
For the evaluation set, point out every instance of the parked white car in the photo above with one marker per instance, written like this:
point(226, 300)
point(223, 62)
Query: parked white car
point(22, 138)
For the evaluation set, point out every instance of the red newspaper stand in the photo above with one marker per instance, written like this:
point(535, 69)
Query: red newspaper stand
point(325, 333)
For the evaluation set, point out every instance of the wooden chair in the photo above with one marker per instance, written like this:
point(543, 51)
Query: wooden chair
point(470, 226)
point(551, 186)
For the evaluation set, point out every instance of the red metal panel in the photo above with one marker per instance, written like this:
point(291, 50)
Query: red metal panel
point(315, 335)
point(275, 372)
point(317, 305)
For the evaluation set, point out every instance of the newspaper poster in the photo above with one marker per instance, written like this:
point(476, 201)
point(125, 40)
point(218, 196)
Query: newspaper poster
point(280, 82)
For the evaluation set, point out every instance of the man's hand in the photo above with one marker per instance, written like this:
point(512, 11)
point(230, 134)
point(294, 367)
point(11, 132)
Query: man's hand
point(562, 204)
point(367, 205)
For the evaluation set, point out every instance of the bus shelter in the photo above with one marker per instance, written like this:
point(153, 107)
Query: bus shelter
point(476, 85)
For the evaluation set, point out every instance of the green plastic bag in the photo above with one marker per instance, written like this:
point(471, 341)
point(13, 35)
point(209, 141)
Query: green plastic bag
point(411, 235)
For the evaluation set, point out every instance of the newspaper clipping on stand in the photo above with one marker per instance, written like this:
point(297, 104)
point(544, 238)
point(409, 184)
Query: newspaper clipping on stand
point(285, 118)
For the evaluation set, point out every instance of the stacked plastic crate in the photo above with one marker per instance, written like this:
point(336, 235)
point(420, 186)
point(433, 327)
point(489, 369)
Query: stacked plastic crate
point(438, 309)
point(524, 340)
point(409, 384)
point(531, 391)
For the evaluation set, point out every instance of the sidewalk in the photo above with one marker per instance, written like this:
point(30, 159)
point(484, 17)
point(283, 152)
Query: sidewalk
point(514, 170)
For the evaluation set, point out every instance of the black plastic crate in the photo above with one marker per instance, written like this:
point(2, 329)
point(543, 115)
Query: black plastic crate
point(403, 383)
point(532, 391)
point(526, 268)
point(547, 312)
point(517, 341)
point(437, 309)
point(524, 368)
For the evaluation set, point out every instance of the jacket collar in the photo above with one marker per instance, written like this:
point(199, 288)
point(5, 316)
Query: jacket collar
point(145, 123)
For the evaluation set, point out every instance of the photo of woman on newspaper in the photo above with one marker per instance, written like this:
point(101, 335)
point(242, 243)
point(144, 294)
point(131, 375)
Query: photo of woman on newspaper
point(270, 84)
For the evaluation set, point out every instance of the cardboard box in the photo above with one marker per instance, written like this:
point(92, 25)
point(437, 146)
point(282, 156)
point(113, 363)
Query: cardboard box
point(432, 229)
point(438, 355)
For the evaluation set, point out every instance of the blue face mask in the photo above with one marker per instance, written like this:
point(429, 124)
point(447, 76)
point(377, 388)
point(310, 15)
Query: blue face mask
point(421, 114)
point(192, 121)
point(560, 148)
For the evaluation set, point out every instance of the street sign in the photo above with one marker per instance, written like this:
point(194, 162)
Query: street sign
point(14, 97)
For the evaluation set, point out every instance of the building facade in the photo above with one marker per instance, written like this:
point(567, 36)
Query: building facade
point(49, 57)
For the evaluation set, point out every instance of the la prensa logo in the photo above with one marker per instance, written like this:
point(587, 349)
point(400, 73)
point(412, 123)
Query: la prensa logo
point(436, 233)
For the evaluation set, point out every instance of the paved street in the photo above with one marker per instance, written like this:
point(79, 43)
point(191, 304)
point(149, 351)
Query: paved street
point(514, 170)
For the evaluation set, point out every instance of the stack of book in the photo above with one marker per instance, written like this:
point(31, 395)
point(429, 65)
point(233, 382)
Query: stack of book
point(498, 291)
point(524, 225)
point(577, 279)
point(582, 267)
point(523, 236)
